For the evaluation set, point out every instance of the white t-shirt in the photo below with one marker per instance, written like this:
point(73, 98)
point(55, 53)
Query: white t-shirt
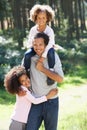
point(23, 105)
point(49, 31)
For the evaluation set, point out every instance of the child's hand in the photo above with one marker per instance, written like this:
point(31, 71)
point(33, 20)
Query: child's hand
point(52, 93)
point(22, 93)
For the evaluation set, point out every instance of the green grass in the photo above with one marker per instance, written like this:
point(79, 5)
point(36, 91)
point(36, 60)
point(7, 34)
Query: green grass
point(6, 106)
point(73, 112)
point(76, 121)
point(6, 98)
point(5, 113)
point(76, 78)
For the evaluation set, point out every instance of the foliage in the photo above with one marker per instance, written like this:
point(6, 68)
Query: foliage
point(12, 56)
point(74, 52)
point(4, 8)
point(6, 98)
point(18, 35)
point(69, 18)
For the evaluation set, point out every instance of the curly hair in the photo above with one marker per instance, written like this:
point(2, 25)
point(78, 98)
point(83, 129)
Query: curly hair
point(11, 80)
point(41, 8)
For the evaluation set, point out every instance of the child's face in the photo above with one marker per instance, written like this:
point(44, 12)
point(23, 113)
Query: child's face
point(39, 46)
point(24, 80)
point(41, 19)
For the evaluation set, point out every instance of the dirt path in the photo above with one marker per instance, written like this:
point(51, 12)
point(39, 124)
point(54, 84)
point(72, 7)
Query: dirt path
point(73, 98)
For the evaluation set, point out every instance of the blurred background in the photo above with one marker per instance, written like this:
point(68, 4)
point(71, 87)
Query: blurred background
point(70, 28)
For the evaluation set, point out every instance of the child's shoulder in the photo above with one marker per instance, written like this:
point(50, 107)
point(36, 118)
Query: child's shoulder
point(24, 88)
point(49, 29)
point(34, 27)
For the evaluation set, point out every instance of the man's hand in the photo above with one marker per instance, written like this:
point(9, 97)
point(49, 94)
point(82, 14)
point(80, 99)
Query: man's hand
point(39, 65)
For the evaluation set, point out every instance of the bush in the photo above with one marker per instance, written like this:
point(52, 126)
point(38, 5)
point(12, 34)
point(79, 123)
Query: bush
point(75, 53)
point(12, 56)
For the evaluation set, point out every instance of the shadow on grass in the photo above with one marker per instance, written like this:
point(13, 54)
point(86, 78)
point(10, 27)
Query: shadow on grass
point(76, 82)
point(76, 78)
point(79, 76)
point(82, 71)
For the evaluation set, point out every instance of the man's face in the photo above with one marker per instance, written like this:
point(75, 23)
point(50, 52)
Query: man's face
point(39, 46)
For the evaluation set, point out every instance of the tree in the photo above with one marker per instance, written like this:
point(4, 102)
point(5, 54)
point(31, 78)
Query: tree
point(4, 12)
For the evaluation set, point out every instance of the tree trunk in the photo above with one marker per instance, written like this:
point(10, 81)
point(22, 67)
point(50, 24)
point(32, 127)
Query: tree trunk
point(76, 20)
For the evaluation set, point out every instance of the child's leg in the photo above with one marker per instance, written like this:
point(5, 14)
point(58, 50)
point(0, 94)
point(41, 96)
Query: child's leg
point(27, 58)
point(51, 63)
point(51, 58)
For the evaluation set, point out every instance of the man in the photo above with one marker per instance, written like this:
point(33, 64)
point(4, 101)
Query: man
point(48, 111)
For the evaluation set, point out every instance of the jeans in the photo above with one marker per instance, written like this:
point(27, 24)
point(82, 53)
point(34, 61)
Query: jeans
point(51, 57)
point(47, 112)
point(27, 58)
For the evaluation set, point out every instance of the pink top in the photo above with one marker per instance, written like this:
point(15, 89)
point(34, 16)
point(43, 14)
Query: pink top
point(23, 105)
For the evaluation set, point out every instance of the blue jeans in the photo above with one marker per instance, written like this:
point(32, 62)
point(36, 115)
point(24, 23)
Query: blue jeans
point(51, 57)
point(27, 58)
point(47, 112)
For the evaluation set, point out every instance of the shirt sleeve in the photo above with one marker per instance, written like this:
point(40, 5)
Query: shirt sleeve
point(34, 100)
point(51, 43)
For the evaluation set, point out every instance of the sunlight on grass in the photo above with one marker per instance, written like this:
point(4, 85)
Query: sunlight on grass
point(5, 113)
point(75, 121)
point(73, 112)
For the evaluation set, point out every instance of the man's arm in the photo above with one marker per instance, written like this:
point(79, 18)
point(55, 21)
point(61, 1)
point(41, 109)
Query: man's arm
point(49, 73)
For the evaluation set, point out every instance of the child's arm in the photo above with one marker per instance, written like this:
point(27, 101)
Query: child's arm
point(41, 99)
point(52, 93)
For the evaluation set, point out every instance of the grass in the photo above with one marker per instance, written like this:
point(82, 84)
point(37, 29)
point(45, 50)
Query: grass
point(6, 106)
point(73, 103)
point(5, 112)
point(75, 78)
point(73, 112)
point(75, 122)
